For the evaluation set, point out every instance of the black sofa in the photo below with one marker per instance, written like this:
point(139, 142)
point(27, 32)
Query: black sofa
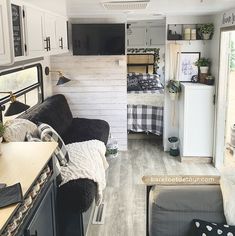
point(75, 197)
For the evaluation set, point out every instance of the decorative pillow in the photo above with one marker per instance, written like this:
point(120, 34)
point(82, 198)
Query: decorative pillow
point(133, 84)
point(150, 82)
point(16, 129)
point(48, 134)
point(204, 228)
point(227, 185)
point(30, 138)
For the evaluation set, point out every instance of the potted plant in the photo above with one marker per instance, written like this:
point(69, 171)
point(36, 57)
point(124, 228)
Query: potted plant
point(174, 88)
point(206, 30)
point(203, 64)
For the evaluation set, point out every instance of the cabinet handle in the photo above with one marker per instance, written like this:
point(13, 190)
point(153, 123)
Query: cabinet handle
point(61, 43)
point(49, 43)
point(128, 42)
point(46, 40)
point(150, 41)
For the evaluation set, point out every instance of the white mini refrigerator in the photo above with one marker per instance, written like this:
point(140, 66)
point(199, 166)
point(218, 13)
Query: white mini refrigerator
point(196, 120)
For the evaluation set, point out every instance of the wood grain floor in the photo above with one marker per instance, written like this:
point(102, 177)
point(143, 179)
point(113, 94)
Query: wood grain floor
point(125, 193)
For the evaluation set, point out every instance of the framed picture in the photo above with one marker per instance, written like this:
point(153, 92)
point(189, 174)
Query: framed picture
point(187, 67)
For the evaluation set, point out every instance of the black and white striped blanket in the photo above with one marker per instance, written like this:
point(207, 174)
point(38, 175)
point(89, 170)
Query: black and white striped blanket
point(144, 118)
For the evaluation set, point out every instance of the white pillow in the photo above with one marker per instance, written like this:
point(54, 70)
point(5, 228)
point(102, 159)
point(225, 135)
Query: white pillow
point(227, 184)
point(16, 129)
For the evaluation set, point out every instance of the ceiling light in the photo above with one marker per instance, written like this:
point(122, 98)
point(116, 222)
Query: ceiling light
point(126, 5)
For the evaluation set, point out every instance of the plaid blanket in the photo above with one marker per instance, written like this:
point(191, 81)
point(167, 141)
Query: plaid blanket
point(158, 91)
point(144, 118)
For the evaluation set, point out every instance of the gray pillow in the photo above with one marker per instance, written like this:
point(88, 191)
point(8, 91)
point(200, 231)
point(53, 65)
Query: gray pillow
point(133, 84)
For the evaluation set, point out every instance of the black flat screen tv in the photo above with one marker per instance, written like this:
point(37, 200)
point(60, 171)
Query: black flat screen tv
point(98, 39)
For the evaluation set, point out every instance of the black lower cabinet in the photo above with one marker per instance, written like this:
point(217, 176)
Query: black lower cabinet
point(43, 221)
point(71, 224)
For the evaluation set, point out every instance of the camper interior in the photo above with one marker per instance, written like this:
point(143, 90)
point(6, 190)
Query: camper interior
point(116, 117)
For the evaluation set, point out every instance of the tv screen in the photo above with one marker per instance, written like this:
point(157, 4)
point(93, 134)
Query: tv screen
point(98, 39)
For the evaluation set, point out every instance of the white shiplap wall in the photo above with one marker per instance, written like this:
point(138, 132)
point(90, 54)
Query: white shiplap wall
point(97, 90)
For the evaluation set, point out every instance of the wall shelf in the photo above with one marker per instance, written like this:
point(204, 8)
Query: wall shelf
point(184, 32)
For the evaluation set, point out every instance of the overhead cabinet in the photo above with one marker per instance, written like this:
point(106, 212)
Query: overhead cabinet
point(27, 32)
point(6, 44)
point(61, 33)
point(34, 19)
point(50, 32)
point(146, 36)
point(136, 37)
point(51, 35)
point(156, 35)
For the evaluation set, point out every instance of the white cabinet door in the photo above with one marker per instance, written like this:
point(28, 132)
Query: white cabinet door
point(156, 35)
point(50, 32)
point(196, 120)
point(137, 38)
point(61, 34)
point(6, 38)
point(34, 31)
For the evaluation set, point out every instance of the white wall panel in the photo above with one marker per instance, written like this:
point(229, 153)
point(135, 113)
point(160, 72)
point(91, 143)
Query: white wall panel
point(97, 90)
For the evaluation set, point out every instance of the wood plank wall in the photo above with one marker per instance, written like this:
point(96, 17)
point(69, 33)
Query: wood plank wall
point(97, 90)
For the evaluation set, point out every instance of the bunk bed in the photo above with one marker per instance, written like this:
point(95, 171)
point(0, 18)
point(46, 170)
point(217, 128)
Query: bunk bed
point(145, 103)
point(145, 92)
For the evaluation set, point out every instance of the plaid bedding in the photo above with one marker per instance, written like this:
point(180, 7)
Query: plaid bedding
point(144, 118)
point(158, 91)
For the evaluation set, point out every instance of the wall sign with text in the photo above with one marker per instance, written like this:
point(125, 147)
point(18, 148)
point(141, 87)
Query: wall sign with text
point(228, 18)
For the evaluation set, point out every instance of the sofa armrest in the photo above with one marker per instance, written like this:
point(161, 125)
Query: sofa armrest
point(83, 129)
point(172, 208)
point(174, 201)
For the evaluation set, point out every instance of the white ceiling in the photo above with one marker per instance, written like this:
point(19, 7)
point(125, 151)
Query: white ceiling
point(94, 8)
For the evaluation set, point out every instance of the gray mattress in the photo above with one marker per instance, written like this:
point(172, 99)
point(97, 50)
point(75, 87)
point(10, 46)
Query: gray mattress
point(172, 208)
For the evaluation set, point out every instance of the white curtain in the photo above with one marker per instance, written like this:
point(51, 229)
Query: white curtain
point(174, 71)
point(174, 63)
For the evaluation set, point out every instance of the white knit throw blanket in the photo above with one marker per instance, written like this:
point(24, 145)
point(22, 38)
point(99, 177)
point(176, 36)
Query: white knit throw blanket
point(87, 160)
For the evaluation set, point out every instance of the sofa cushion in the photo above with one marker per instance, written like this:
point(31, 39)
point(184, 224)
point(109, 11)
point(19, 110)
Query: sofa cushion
point(48, 134)
point(204, 228)
point(54, 111)
point(177, 206)
point(82, 129)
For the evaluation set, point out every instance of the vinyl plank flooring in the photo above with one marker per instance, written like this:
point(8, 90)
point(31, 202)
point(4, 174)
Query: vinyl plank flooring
point(125, 193)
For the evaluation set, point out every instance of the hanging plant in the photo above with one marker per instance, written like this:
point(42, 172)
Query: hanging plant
point(174, 88)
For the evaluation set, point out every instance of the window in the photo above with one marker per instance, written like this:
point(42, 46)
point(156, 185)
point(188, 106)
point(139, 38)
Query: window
point(26, 85)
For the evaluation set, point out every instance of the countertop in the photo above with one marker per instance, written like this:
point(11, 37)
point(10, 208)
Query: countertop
point(22, 162)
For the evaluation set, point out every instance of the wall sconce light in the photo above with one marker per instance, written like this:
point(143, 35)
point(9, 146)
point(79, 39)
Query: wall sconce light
point(15, 106)
point(61, 80)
